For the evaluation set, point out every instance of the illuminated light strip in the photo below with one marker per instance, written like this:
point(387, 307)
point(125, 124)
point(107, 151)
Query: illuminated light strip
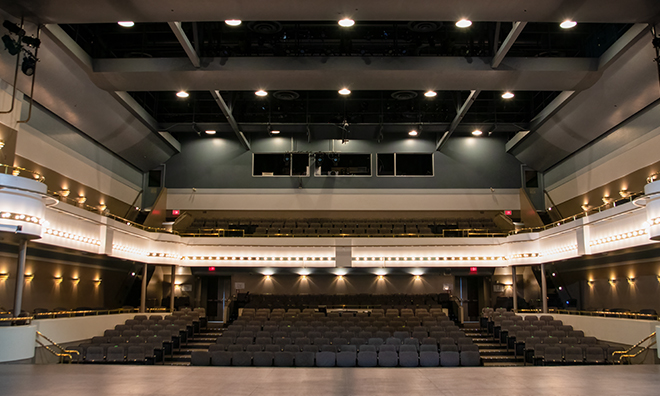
point(560, 250)
point(451, 258)
point(21, 217)
point(129, 249)
point(655, 221)
point(618, 237)
point(243, 258)
point(165, 255)
point(73, 237)
point(523, 256)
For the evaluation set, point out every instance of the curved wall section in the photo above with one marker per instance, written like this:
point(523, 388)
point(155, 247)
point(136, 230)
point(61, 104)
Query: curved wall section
point(22, 207)
point(652, 191)
point(17, 343)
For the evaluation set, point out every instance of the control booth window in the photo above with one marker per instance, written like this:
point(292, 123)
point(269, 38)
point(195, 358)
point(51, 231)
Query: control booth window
point(280, 165)
point(405, 164)
point(342, 164)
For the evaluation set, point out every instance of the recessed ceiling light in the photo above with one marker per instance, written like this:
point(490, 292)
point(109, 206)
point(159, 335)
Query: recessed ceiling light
point(344, 91)
point(430, 94)
point(233, 22)
point(182, 94)
point(261, 92)
point(463, 23)
point(126, 23)
point(210, 132)
point(413, 133)
point(275, 132)
point(346, 22)
point(477, 133)
point(568, 24)
point(507, 95)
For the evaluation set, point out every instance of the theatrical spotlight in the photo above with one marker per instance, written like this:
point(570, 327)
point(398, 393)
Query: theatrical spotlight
point(31, 41)
point(13, 28)
point(29, 64)
point(11, 45)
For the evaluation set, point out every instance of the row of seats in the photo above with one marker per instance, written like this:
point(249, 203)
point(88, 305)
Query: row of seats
point(141, 354)
point(243, 343)
point(366, 357)
point(355, 301)
point(439, 223)
point(570, 354)
point(373, 312)
point(341, 344)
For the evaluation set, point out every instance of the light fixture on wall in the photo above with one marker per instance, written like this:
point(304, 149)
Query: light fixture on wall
point(417, 277)
point(624, 193)
point(29, 277)
point(607, 199)
point(590, 282)
point(631, 280)
point(4, 276)
point(2, 144)
point(81, 199)
point(381, 277)
point(586, 207)
point(58, 279)
point(75, 280)
point(64, 192)
point(340, 277)
point(612, 281)
point(303, 277)
point(97, 281)
point(267, 277)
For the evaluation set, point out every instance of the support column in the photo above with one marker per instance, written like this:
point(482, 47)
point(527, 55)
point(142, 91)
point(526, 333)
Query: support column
point(143, 294)
point(514, 289)
point(544, 289)
point(172, 289)
point(20, 277)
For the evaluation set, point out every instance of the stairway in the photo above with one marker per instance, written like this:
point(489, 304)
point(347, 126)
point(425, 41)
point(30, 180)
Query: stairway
point(199, 342)
point(492, 353)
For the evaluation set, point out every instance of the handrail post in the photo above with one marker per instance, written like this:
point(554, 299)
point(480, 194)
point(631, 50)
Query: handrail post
point(20, 277)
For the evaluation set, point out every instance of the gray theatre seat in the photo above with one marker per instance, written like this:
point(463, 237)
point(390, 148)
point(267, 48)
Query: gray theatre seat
point(346, 358)
point(241, 359)
point(263, 359)
point(304, 359)
point(200, 358)
point(432, 359)
point(388, 359)
point(367, 358)
point(283, 359)
point(325, 359)
point(447, 359)
point(115, 354)
point(408, 356)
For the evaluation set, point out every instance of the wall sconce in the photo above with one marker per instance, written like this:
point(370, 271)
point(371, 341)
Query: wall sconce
point(417, 277)
point(624, 193)
point(2, 144)
point(58, 279)
point(81, 199)
point(64, 193)
point(340, 277)
point(303, 277)
point(586, 207)
point(631, 280)
point(97, 281)
point(29, 277)
point(267, 277)
point(4, 276)
point(16, 172)
point(612, 281)
point(75, 280)
point(607, 200)
point(381, 277)
point(590, 282)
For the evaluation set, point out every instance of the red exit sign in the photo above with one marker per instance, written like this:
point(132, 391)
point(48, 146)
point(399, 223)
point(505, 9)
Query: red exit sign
point(175, 212)
point(211, 268)
point(508, 212)
point(473, 270)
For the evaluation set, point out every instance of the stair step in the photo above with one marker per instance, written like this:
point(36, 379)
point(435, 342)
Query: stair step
point(503, 364)
point(495, 352)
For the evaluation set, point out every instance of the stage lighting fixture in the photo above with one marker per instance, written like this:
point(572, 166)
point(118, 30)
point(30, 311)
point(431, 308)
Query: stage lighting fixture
point(11, 45)
point(13, 28)
point(29, 65)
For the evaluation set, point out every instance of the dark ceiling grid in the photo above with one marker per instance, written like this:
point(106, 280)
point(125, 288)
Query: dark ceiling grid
point(367, 39)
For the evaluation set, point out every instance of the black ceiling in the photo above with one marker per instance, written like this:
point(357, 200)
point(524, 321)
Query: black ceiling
point(297, 111)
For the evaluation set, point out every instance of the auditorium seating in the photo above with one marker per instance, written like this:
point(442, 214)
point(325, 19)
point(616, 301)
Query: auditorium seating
point(543, 340)
point(328, 227)
point(307, 338)
point(143, 339)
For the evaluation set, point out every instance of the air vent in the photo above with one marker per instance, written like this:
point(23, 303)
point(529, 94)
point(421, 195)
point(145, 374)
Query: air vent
point(404, 95)
point(265, 27)
point(424, 26)
point(286, 95)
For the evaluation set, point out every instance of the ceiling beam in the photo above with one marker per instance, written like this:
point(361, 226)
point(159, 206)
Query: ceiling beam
point(316, 73)
point(459, 117)
point(108, 11)
point(185, 43)
point(230, 118)
point(507, 44)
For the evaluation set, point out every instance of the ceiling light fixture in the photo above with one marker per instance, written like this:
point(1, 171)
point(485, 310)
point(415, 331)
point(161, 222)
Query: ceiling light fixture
point(507, 95)
point(233, 22)
point(413, 133)
point(126, 23)
point(477, 133)
point(346, 22)
point(182, 94)
point(568, 24)
point(344, 91)
point(261, 92)
point(464, 23)
point(430, 94)
point(210, 132)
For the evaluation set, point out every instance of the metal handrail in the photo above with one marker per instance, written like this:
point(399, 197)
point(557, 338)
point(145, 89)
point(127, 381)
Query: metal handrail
point(63, 351)
point(17, 170)
point(624, 315)
point(626, 354)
